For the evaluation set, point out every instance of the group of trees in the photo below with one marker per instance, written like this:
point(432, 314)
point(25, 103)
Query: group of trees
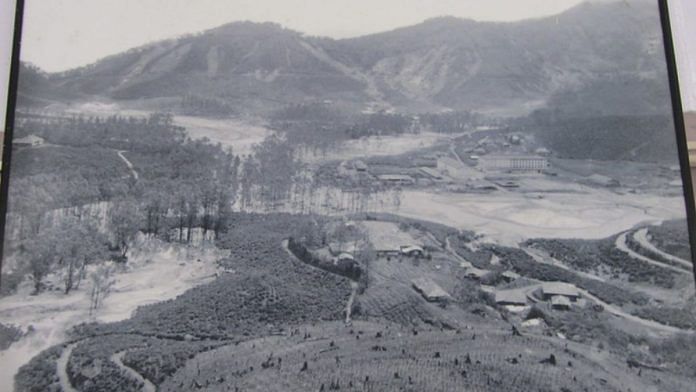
point(70, 245)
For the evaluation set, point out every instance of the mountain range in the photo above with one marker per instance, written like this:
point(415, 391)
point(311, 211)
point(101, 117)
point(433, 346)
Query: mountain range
point(594, 59)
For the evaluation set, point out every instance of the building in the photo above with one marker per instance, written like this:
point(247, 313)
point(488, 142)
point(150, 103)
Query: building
point(430, 290)
point(412, 250)
point(598, 179)
point(28, 141)
point(396, 179)
point(510, 297)
point(509, 276)
point(560, 302)
point(360, 166)
point(476, 273)
point(521, 163)
point(345, 256)
point(432, 173)
point(553, 289)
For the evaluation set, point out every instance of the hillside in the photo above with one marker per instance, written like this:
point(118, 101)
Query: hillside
point(443, 63)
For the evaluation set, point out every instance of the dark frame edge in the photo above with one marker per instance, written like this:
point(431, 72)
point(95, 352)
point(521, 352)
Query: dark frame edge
point(9, 121)
point(680, 128)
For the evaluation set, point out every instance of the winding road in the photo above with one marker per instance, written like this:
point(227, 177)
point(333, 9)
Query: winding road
point(62, 369)
point(641, 236)
point(622, 246)
point(117, 359)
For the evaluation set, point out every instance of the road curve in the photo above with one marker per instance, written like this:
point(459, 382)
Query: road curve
point(62, 369)
point(117, 359)
point(622, 246)
point(641, 236)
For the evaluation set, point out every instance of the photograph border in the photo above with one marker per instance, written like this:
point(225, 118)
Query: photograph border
point(680, 128)
point(9, 122)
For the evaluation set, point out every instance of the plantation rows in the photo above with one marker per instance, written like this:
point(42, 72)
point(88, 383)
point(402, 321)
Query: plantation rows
point(523, 264)
point(370, 357)
point(672, 237)
point(264, 291)
point(590, 255)
point(633, 244)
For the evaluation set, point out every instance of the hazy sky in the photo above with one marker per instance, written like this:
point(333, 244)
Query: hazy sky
point(62, 34)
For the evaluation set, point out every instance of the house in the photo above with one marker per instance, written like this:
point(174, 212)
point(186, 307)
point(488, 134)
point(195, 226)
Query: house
point(509, 276)
point(425, 162)
point(476, 273)
point(510, 297)
point(28, 141)
point(396, 179)
point(560, 302)
point(509, 162)
point(345, 256)
point(553, 289)
point(339, 248)
point(542, 151)
point(430, 290)
point(432, 173)
point(598, 179)
point(360, 166)
point(412, 250)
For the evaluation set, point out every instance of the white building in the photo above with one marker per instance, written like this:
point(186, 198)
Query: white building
point(524, 163)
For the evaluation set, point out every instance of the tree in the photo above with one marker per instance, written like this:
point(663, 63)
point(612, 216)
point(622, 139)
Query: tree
point(124, 224)
point(39, 253)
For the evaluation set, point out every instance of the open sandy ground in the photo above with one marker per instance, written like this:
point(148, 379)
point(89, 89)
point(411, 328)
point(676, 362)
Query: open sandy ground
point(155, 273)
point(509, 218)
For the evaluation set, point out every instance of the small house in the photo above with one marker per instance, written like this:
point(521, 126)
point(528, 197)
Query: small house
point(360, 166)
point(509, 276)
point(598, 179)
point(396, 179)
point(476, 273)
point(560, 302)
point(28, 141)
point(510, 297)
point(430, 290)
point(554, 289)
point(412, 250)
point(345, 256)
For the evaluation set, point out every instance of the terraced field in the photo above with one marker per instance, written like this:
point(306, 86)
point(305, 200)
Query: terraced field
point(387, 357)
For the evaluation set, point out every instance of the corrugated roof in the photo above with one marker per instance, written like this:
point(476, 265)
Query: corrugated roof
point(559, 300)
point(516, 297)
point(560, 288)
point(429, 288)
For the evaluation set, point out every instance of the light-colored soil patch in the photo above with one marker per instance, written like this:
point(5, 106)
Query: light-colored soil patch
point(510, 217)
point(157, 272)
point(388, 235)
point(237, 134)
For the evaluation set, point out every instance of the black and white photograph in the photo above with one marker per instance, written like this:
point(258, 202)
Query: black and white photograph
point(315, 196)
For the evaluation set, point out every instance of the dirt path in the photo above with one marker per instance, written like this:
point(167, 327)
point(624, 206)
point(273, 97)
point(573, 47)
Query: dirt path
point(641, 236)
point(351, 299)
point(543, 258)
point(62, 369)
point(462, 261)
point(622, 246)
point(129, 164)
point(618, 312)
point(117, 358)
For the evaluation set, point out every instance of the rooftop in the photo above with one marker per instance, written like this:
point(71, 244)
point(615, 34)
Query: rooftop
point(560, 288)
point(429, 288)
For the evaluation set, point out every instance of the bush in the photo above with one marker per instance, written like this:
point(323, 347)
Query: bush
point(8, 335)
